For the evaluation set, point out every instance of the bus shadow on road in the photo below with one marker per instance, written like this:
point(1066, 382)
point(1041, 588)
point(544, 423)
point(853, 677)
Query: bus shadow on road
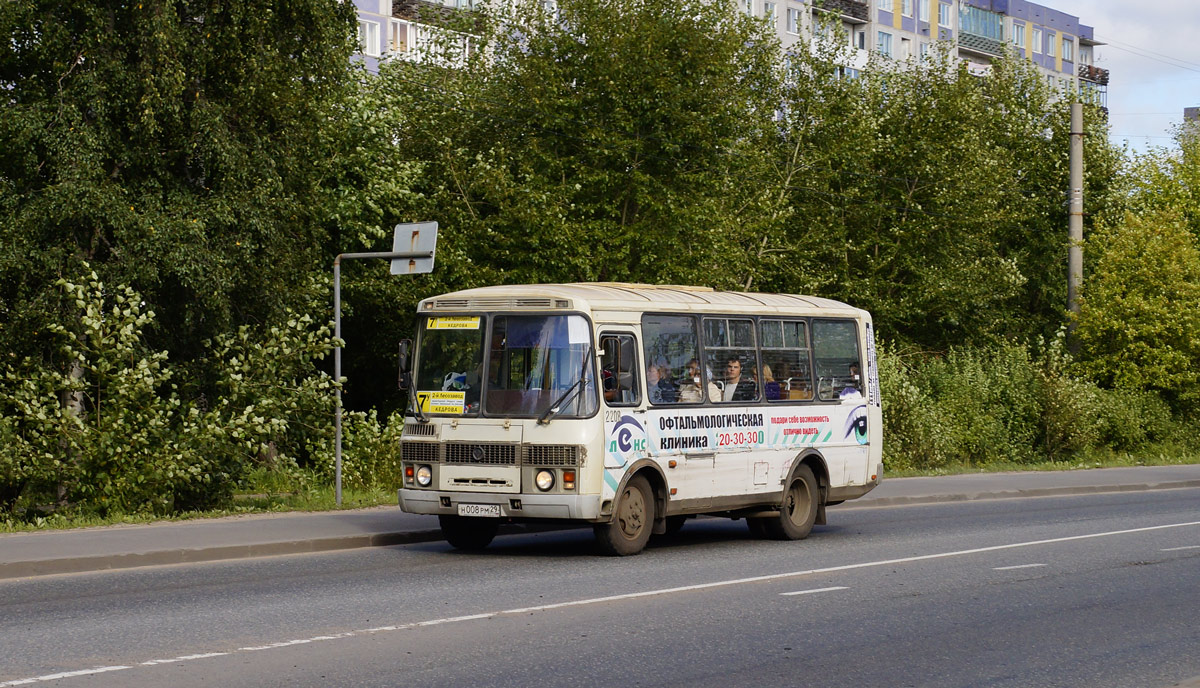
point(579, 542)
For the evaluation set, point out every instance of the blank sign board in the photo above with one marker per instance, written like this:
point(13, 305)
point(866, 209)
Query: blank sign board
point(415, 237)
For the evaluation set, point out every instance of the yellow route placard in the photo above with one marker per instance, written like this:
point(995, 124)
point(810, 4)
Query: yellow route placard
point(442, 402)
point(453, 323)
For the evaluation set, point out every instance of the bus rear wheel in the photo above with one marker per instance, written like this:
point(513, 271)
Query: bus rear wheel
point(472, 534)
point(798, 512)
point(630, 528)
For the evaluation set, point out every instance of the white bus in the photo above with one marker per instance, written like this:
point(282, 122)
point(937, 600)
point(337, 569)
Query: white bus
point(634, 407)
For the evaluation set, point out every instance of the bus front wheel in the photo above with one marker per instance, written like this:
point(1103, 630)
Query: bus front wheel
point(798, 512)
point(630, 528)
point(463, 532)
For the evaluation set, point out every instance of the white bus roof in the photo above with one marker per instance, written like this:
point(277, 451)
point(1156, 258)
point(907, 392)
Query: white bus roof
point(617, 296)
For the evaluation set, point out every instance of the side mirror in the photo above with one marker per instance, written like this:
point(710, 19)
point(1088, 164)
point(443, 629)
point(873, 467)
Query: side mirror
point(404, 380)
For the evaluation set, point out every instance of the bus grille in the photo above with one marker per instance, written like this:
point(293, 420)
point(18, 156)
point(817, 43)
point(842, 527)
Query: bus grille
point(419, 451)
point(420, 430)
point(551, 455)
point(493, 454)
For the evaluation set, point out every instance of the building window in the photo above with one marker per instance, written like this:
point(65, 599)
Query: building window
point(368, 37)
point(924, 51)
point(906, 7)
point(885, 5)
point(861, 41)
point(943, 14)
point(1050, 47)
point(769, 13)
point(397, 36)
point(1018, 35)
point(1037, 40)
point(748, 7)
point(923, 9)
point(905, 48)
point(793, 20)
point(884, 43)
point(1068, 49)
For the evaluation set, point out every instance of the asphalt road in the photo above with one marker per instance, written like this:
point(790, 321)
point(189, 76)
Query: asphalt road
point(1100, 590)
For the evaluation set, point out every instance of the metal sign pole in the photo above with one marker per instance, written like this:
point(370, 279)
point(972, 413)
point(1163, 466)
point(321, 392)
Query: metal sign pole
point(424, 240)
point(337, 377)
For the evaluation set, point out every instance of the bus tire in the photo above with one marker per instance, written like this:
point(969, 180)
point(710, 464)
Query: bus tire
point(471, 534)
point(798, 512)
point(630, 528)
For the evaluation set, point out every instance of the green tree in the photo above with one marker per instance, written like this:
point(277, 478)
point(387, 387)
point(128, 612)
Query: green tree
point(608, 141)
point(602, 141)
point(1140, 306)
point(1169, 179)
point(187, 149)
point(931, 196)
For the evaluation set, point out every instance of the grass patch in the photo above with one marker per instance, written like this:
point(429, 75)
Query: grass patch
point(1094, 458)
point(265, 494)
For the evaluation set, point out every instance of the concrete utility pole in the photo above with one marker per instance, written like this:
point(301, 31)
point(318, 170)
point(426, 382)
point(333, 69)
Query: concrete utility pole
point(1075, 227)
point(413, 246)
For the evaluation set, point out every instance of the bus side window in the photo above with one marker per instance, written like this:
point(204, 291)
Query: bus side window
point(787, 369)
point(672, 350)
point(729, 348)
point(836, 359)
point(619, 370)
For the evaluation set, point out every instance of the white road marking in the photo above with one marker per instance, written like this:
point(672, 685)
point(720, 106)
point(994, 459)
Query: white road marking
point(65, 674)
point(1176, 549)
point(816, 590)
point(184, 658)
point(1018, 566)
point(616, 598)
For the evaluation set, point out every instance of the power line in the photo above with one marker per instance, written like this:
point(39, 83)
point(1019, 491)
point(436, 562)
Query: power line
point(1142, 136)
point(1138, 51)
point(1151, 52)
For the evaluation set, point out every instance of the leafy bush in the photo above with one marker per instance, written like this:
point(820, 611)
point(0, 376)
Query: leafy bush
point(1004, 405)
point(1140, 307)
point(106, 427)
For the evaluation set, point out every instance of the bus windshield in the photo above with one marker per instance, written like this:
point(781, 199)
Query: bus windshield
point(534, 360)
point(450, 365)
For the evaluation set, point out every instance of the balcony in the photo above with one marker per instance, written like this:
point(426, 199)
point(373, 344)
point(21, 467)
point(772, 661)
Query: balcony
point(1095, 75)
point(980, 44)
point(856, 11)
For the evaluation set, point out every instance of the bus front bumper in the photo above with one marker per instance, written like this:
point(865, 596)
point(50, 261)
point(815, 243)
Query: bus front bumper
point(552, 506)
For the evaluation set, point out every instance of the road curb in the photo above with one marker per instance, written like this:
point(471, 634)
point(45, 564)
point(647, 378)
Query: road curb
point(106, 562)
point(193, 555)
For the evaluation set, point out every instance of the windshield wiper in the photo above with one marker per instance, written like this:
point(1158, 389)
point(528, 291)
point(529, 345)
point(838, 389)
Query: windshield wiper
point(557, 404)
point(417, 412)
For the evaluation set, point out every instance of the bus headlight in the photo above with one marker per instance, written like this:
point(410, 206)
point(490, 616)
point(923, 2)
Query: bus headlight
point(424, 476)
point(544, 480)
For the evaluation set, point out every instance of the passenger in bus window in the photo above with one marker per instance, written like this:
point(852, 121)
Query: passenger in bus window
point(737, 387)
point(659, 385)
point(689, 386)
point(852, 385)
point(771, 388)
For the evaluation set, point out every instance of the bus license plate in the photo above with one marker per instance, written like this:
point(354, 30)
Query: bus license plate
point(484, 510)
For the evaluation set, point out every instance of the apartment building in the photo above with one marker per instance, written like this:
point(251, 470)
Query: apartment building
point(389, 29)
point(978, 31)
